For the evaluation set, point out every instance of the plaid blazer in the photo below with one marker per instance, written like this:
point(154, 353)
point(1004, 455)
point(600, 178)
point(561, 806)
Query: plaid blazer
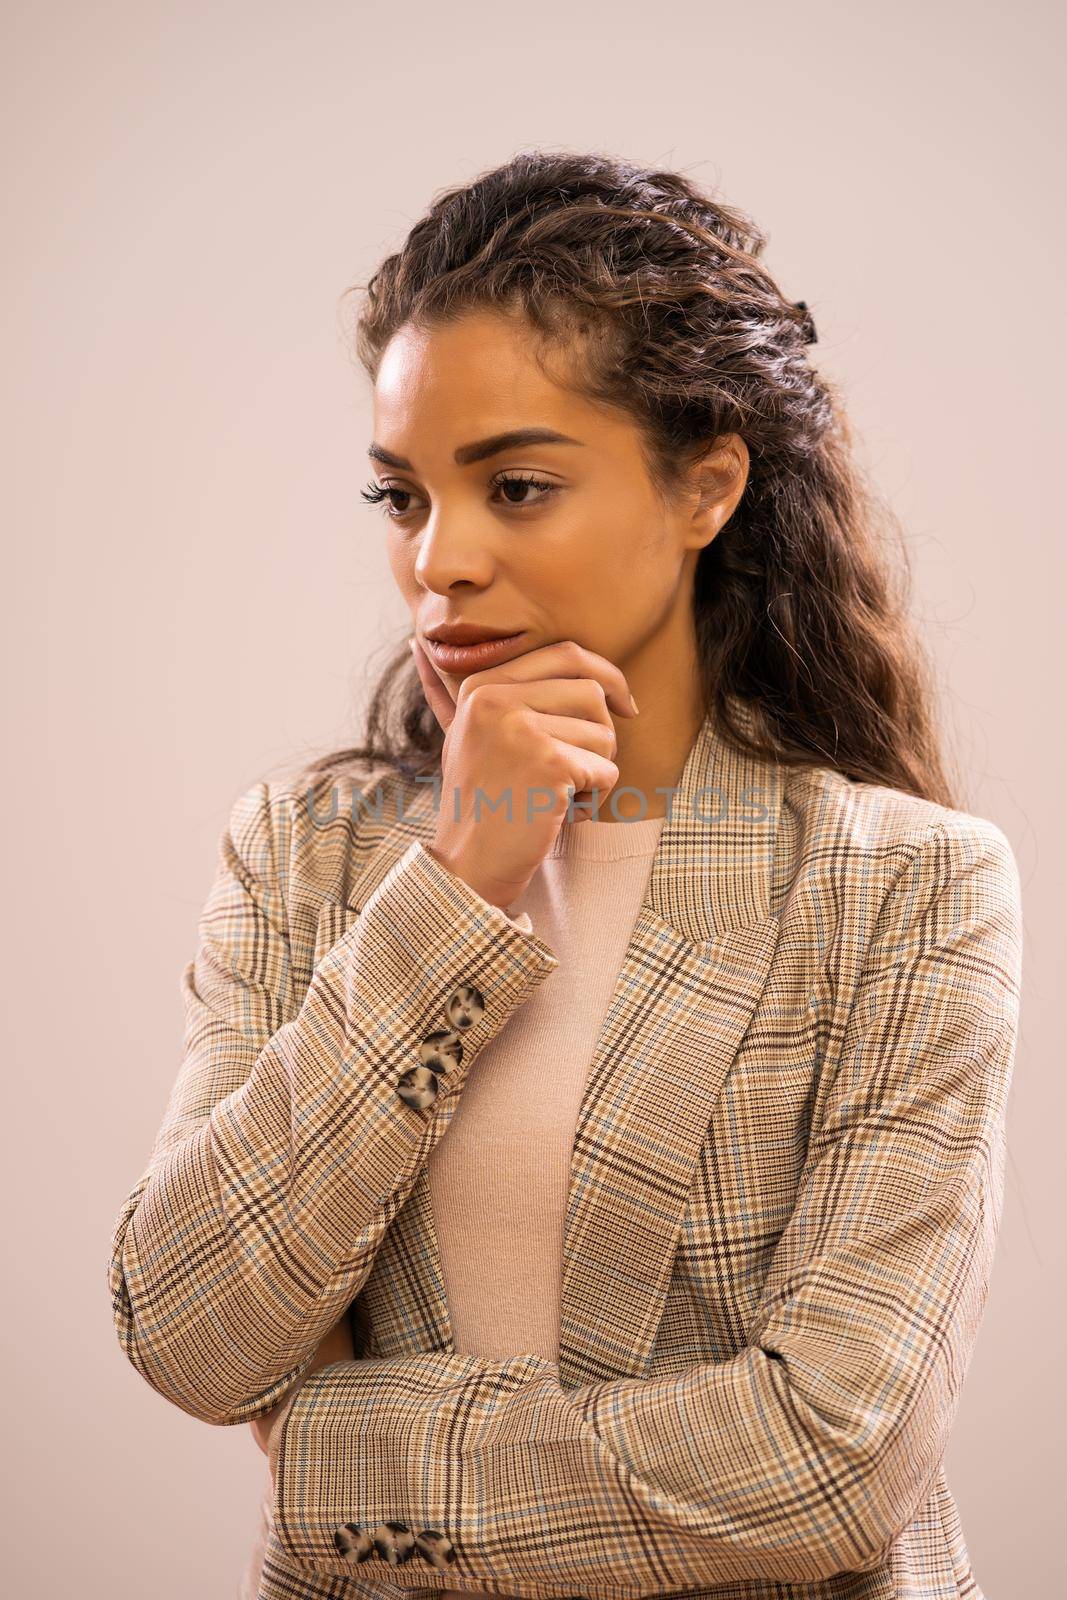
point(787, 1180)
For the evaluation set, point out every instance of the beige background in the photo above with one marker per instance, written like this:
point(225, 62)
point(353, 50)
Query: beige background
point(196, 594)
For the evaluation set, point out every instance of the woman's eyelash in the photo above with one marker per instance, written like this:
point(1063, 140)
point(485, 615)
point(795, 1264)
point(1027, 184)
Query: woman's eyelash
point(377, 493)
point(374, 494)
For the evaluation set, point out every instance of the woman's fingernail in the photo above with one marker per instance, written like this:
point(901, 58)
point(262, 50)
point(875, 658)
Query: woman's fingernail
point(633, 702)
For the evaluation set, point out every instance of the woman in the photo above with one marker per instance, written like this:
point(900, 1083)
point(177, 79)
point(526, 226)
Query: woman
point(660, 905)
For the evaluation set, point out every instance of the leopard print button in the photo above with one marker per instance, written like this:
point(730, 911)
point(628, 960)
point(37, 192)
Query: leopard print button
point(417, 1087)
point(353, 1543)
point(465, 1006)
point(441, 1051)
point(438, 1550)
point(394, 1541)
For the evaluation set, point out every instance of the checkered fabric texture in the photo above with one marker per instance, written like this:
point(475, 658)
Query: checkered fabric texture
point(786, 1186)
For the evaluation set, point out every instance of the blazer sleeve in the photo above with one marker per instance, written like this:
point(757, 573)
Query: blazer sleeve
point(809, 1451)
point(286, 1148)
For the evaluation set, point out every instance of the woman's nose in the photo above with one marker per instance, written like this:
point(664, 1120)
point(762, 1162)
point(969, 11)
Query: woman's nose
point(451, 551)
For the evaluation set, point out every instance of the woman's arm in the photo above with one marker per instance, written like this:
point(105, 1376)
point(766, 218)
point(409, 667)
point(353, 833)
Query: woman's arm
point(807, 1453)
point(287, 1148)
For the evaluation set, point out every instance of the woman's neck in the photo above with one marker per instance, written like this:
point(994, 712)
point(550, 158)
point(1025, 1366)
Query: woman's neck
point(653, 748)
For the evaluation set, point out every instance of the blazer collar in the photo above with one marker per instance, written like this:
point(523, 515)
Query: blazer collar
point(695, 966)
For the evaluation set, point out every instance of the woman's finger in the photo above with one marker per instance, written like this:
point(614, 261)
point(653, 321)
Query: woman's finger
point(437, 696)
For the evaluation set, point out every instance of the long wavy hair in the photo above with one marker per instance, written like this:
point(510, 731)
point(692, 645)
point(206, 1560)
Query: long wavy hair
point(801, 618)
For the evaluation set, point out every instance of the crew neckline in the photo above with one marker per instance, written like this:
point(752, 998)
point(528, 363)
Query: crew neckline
point(607, 841)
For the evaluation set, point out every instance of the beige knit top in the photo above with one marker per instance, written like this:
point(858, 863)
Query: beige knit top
point(499, 1175)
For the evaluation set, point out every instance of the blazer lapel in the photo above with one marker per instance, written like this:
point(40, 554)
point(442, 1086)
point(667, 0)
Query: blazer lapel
point(695, 966)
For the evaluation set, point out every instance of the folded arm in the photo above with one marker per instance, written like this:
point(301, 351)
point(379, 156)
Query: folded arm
point(809, 1451)
point(287, 1147)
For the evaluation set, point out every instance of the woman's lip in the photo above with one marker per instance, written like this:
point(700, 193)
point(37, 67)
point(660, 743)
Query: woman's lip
point(472, 657)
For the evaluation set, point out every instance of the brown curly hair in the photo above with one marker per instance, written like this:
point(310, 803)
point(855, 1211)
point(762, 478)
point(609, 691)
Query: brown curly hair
point(800, 617)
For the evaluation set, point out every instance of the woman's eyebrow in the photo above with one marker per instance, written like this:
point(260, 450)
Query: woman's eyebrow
point(514, 439)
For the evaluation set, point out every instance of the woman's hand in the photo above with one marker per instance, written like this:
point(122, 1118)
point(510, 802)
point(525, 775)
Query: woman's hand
point(533, 727)
point(336, 1346)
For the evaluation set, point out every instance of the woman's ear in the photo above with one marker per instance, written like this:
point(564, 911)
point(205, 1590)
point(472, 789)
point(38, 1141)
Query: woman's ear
point(717, 482)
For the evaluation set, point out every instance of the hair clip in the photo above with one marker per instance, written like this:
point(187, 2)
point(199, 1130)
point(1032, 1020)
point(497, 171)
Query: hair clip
point(810, 336)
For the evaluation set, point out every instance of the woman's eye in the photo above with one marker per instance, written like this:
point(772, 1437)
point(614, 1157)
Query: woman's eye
point(521, 483)
point(518, 490)
point(375, 493)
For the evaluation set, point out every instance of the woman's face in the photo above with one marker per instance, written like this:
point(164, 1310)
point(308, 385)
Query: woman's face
point(557, 540)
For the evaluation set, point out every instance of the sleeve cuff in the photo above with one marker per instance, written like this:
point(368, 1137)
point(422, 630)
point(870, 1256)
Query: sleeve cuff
point(417, 854)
